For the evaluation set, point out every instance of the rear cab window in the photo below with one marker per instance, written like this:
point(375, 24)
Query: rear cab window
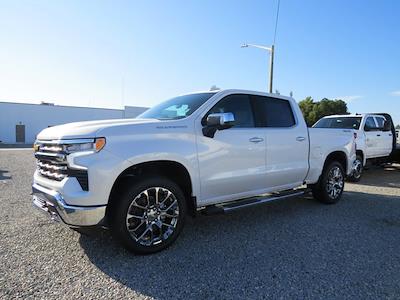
point(339, 122)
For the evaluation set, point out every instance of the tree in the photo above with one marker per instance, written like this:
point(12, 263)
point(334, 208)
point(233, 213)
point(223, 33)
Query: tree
point(313, 111)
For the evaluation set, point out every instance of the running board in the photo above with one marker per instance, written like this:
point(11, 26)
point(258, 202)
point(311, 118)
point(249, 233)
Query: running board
point(247, 202)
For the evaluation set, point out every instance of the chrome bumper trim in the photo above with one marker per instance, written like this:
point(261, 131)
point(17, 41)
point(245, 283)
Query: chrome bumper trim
point(52, 203)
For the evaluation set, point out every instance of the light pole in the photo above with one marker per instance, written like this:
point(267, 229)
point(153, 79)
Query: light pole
point(271, 60)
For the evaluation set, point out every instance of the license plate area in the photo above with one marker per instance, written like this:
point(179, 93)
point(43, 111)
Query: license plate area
point(43, 204)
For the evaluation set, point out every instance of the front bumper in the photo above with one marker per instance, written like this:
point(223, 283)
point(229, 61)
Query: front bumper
point(52, 203)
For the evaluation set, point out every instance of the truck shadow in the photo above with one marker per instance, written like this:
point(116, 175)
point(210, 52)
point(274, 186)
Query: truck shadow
point(4, 177)
point(294, 244)
point(387, 176)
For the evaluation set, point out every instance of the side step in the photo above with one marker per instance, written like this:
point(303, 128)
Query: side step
point(247, 202)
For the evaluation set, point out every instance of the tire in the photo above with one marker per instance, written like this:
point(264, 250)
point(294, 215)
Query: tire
point(151, 225)
point(356, 176)
point(326, 192)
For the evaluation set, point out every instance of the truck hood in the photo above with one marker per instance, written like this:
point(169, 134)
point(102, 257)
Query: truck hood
point(87, 129)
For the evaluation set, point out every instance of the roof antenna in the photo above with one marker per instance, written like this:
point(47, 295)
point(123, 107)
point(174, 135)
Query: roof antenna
point(214, 88)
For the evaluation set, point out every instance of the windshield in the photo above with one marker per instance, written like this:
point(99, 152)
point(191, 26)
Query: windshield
point(340, 122)
point(176, 108)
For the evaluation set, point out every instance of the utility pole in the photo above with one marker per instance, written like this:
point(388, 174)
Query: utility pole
point(271, 61)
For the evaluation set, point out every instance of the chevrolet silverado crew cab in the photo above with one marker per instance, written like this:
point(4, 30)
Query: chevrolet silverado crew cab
point(375, 137)
point(204, 152)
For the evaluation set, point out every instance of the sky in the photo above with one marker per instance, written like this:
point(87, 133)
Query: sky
point(139, 53)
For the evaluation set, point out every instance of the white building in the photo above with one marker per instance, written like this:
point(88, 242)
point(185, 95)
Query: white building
point(21, 122)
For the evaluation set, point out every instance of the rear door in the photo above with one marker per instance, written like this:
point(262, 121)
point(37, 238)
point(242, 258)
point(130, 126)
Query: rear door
point(385, 136)
point(286, 141)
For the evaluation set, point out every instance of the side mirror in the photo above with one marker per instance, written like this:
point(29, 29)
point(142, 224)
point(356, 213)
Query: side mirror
point(221, 120)
point(218, 121)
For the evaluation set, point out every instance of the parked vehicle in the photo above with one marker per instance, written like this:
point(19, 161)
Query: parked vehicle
point(206, 152)
point(375, 137)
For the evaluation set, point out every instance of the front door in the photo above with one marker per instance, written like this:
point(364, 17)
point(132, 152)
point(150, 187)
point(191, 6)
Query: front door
point(232, 163)
point(371, 137)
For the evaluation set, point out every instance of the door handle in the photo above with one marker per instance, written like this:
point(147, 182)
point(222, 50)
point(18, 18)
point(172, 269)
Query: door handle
point(378, 135)
point(256, 140)
point(300, 138)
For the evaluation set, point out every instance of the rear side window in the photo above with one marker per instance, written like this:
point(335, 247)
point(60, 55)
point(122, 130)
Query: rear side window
point(273, 112)
point(380, 121)
point(239, 105)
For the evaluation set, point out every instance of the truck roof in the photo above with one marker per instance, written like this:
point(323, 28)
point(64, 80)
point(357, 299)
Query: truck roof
point(351, 115)
point(241, 91)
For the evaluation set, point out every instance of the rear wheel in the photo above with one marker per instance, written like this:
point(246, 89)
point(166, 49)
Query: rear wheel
point(358, 169)
point(149, 216)
point(330, 186)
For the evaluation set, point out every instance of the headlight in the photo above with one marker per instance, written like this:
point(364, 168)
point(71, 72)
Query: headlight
point(94, 146)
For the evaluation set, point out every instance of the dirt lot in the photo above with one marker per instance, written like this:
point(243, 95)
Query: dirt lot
point(295, 248)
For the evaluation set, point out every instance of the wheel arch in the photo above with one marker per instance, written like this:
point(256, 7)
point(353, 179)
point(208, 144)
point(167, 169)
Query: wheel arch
point(338, 156)
point(170, 169)
point(361, 153)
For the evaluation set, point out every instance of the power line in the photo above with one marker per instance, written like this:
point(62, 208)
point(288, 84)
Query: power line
point(276, 20)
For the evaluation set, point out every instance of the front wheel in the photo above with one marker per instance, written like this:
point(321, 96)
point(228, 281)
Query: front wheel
point(330, 186)
point(149, 216)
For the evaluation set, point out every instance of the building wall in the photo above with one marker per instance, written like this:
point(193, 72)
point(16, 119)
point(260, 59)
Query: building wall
point(36, 117)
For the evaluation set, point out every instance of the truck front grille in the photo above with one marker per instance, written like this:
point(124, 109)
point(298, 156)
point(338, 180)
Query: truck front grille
point(51, 162)
point(52, 170)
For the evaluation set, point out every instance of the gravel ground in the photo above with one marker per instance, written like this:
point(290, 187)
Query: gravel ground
point(295, 248)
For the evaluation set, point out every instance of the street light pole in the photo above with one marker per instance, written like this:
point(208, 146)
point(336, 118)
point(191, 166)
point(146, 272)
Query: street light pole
point(271, 69)
point(271, 60)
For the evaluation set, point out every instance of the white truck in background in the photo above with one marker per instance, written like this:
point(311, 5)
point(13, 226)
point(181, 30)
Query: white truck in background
point(207, 152)
point(375, 136)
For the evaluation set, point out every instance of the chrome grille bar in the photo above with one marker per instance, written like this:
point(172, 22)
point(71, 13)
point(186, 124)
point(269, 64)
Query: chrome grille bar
point(52, 175)
point(51, 167)
point(65, 142)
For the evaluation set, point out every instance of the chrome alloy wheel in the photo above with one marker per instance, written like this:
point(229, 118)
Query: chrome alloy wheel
point(357, 168)
point(152, 216)
point(335, 182)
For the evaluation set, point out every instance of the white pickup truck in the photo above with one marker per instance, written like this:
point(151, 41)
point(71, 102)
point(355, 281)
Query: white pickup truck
point(209, 151)
point(375, 137)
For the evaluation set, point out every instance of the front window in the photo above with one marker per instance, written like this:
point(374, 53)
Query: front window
point(339, 122)
point(239, 105)
point(370, 124)
point(176, 108)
